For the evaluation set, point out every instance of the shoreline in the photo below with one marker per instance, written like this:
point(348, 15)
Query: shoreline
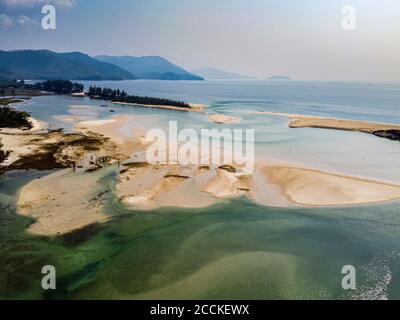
point(220, 182)
point(143, 186)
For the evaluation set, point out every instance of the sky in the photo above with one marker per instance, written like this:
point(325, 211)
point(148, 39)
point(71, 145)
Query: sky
point(304, 39)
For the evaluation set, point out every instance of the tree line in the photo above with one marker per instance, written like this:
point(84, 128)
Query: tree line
point(68, 87)
point(11, 118)
point(56, 86)
point(122, 96)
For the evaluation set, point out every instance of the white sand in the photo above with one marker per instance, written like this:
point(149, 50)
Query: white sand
point(302, 121)
point(96, 123)
point(311, 187)
point(21, 142)
point(62, 202)
point(223, 119)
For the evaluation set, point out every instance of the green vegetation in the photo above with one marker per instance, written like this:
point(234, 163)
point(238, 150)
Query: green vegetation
point(122, 96)
point(11, 118)
point(7, 101)
point(12, 87)
point(9, 87)
point(34, 64)
point(57, 86)
point(7, 83)
point(50, 155)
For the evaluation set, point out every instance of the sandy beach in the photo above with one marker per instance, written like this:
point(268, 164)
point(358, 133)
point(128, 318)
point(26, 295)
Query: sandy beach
point(309, 187)
point(67, 199)
point(144, 186)
point(62, 201)
point(19, 141)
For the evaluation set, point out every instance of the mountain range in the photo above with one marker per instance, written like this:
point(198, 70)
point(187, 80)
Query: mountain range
point(217, 74)
point(150, 67)
point(46, 64)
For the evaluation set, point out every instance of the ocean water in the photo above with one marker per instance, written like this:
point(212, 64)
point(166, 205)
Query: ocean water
point(236, 248)
point(343, 152)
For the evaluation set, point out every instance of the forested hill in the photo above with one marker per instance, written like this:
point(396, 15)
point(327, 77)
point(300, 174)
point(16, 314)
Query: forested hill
point(46, 64)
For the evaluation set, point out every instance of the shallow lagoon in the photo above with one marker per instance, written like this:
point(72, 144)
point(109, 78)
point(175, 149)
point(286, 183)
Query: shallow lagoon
point(235, 249)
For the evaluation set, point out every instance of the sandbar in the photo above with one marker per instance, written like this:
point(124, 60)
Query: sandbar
point(223, 119)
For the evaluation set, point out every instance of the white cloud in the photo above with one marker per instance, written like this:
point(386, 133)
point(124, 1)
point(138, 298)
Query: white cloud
point(32, 3)
point(27, 23)
point(5, 21)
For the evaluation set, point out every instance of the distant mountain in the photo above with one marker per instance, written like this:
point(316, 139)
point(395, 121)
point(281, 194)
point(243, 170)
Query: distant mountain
point(217, 74)
point(279, 77)
point(7, 74)
point(150, 67)
point(46, 64)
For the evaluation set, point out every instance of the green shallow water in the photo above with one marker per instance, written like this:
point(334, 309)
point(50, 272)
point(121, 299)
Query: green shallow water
point(233, 250)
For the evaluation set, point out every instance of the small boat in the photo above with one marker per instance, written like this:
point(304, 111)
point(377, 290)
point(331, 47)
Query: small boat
point(111, 110)
point(104, 105)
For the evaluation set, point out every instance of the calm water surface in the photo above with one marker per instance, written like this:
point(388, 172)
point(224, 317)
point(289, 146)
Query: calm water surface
point(235, 249)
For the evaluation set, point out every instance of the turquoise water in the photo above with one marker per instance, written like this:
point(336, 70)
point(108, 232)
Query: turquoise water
point(363, 101)
point(344, 152)
point(235, 249)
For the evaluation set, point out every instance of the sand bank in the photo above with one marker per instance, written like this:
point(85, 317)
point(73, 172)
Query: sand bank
point(78, 94)
point(126, 145)
point(195, 107)
point(302, 121)
point(223, 119)
point(145, 185)
point(21, 142)
point(62, 201)
point(151, 186)
point(309, 187)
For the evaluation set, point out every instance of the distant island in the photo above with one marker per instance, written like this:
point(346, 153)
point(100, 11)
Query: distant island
point(209, 73)
point(49, 65)
point(279, 77)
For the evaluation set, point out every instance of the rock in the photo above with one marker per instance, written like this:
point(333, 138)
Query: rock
point(391, 134)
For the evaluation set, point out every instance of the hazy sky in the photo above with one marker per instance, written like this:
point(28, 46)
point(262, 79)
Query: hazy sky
point(300, 38)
